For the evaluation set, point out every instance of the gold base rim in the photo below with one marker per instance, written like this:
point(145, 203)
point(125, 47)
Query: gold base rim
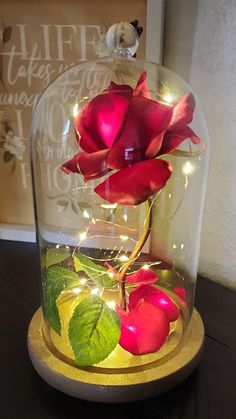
point(116, 387)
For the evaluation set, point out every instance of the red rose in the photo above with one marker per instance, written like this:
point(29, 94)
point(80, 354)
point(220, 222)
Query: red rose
point(124, 130)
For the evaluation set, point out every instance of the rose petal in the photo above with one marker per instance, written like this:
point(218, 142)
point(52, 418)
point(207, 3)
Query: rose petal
point(173, 139)
point(182, 113)
point(155, 145)
point(144, 329)
point(141, 88)
point(145, 121)
point(135, 184)
point(88, 165)
point(156, 297)
point(142, 276)
point(121, 156)
point(99, 122)
point(124, 89)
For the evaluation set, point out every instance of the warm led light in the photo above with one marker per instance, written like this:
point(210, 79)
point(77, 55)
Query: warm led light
point(83, 235)
point(109, 206)
point(124, 238)
point(111, 304)
point(76, 290)
point(188, 168)
point(95, 291)
point(168, 98)
point(169, 196)
point(186, 182)
point(145, 266)
point(174, 246)
point(83, 281)
point(86, 214)
point(123, 258)
point(75, 110)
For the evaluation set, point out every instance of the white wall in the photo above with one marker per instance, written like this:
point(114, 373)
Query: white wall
point(200, 46)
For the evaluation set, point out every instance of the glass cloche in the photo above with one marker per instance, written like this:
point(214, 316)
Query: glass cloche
point(119, 167)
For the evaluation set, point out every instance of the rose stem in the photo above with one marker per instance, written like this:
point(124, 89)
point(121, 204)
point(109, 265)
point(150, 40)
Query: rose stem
point(134, 254)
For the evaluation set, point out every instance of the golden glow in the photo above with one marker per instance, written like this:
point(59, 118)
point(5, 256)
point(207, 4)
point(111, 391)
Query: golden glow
point(174, 246)
point(109, 206)
point(188, 168)
point(123, 258)
point(75, 110)
point(186, 182)
point(95, 291)
point(169, 196)
point(83, 235)
point(168, 98)
point(111, 304)
point(124, 238)
point(83, 281)
point(76, 290)
point(86, 214)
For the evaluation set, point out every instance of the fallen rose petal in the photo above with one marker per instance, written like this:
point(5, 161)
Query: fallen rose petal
point(141, 88)
point(143, 330)
point(99, 122)
point(88, 165)
point(142, 276)
point(181, 292)
point(156, 297)
point(182, 113)
point(135, 184)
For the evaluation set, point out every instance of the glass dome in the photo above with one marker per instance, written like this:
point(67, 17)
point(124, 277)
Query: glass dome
point(119, 167)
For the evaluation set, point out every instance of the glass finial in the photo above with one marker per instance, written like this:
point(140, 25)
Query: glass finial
point(122, 39)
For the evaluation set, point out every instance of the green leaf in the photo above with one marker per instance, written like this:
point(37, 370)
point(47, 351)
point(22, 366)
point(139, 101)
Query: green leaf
point(6, 34)
point(7, 156)
point(54, 256)
point(97, 273)
point(57, 279)
point(94, 331)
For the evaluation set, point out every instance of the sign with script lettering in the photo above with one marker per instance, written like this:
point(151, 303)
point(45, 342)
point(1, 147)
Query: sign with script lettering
point(38, 41)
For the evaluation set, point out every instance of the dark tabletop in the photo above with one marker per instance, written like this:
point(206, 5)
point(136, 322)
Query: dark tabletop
point(209, 393)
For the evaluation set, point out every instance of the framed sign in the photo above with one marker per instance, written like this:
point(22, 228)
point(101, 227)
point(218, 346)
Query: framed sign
point(37, 43)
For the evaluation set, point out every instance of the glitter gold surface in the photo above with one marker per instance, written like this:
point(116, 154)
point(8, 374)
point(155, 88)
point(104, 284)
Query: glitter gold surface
point(116, 384)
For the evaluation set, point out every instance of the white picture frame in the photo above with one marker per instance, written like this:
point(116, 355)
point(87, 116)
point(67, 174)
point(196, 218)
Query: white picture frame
point(154, 42)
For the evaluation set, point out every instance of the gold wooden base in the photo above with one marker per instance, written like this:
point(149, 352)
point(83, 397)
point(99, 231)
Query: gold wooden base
point(116, 385)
